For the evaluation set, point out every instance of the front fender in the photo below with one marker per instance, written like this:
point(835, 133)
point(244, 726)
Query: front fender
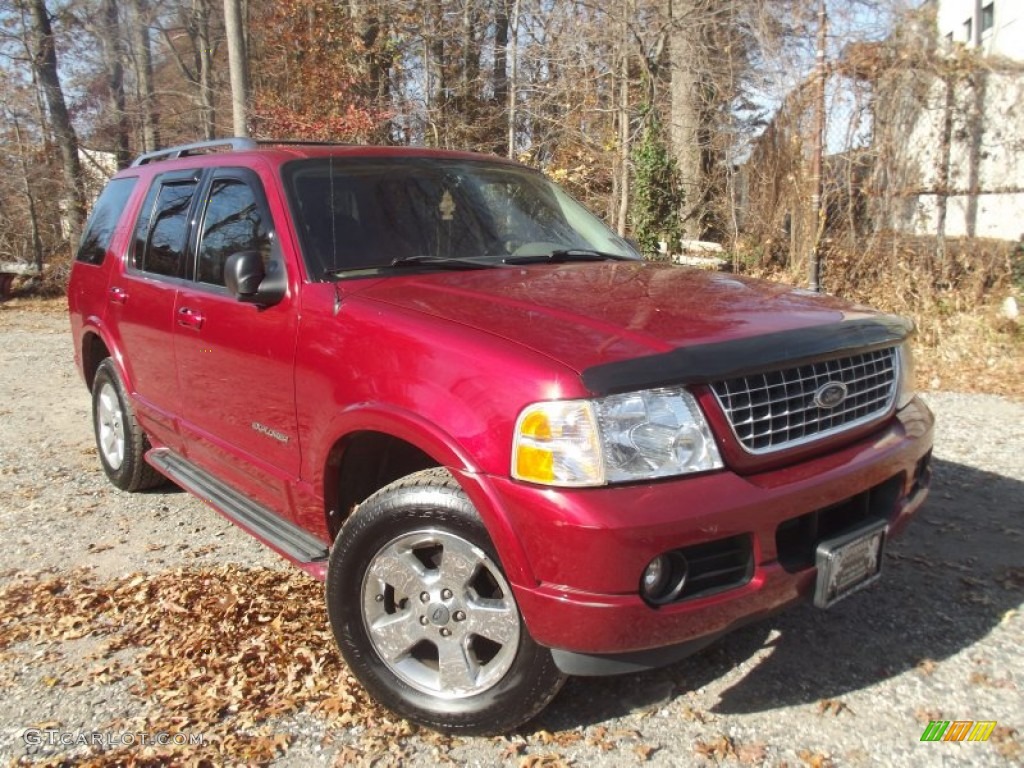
point(446, 451)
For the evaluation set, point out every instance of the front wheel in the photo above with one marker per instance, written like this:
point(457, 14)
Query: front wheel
point(425, 617)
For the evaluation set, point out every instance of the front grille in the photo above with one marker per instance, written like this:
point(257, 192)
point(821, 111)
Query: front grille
point(797, 539)
point(778, 409)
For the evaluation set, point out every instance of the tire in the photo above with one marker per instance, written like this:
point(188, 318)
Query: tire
point(414, 581)
point(120, 441)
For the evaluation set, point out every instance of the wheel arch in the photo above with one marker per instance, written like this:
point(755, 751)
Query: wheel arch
point(375, 452)
point(98, 342)
point(94, 350)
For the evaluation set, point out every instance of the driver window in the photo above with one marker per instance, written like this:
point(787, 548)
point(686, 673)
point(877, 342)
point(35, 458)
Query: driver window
point(234, 222)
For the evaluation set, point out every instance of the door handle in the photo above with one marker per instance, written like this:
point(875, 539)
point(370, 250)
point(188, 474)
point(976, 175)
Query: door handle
point(189, 318)
point(118, 295)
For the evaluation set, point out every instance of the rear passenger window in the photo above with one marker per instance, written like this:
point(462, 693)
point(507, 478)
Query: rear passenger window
point(103, 221)
point(161, 235)
point(234, 222)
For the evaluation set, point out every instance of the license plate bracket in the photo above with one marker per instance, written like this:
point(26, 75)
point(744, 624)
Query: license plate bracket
point(849, 562)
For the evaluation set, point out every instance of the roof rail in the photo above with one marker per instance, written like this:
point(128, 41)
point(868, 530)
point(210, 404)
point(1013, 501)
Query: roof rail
point(184, 150)
point(299, 143)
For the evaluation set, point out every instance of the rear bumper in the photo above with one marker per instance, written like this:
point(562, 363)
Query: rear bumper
point(588, 548)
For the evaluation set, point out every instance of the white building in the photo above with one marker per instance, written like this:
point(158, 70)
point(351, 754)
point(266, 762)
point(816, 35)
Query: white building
point(961, 152)
point(994, 26)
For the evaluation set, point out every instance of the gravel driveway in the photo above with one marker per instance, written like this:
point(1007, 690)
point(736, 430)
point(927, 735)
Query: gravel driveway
point(127, 616)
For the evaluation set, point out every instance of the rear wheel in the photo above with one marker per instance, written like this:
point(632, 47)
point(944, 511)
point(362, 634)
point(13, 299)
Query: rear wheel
point(120, 440)
point(425, 617)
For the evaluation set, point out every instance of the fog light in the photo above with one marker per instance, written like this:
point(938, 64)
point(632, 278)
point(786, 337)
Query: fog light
point(655, 575)
point(664, 578)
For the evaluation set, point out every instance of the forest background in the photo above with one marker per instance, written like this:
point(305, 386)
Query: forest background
point(775, 128)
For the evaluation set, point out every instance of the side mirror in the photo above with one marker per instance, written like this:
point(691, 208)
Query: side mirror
point(247, 280)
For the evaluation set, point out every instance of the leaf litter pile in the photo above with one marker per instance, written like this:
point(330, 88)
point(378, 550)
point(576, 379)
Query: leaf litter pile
point(220, 652)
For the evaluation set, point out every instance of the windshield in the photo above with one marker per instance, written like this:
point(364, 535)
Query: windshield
point(358, 214)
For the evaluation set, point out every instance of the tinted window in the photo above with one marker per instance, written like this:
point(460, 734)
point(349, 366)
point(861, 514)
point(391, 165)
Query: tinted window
point(234, 222)
point(103, 221)
point(365, 214)
point(165, 247)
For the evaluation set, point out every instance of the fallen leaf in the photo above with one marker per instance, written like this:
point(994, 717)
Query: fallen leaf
point(814, 759)
point(644, 751)
point(549, 760)
point(834, 706)
point(513, 749)
point(718, 749)
point(752, 754)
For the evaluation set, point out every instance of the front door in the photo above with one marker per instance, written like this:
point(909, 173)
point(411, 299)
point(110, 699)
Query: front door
point(236, 361)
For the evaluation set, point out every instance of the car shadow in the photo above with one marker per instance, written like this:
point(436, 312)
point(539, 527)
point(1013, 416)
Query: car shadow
point(948, 582)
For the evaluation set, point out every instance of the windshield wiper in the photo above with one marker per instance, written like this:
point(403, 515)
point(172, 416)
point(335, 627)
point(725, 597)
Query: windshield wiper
point(564, 255)
point(440, 261)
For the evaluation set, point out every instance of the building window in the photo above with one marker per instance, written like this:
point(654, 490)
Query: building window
point(969, 31)
point(988, 17)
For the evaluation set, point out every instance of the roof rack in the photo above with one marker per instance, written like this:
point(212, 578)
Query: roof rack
point(199, 147)
point(234, 143)
point(300, 143)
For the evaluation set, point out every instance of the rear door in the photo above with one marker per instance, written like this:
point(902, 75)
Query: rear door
point(235, 361)
point(142, 299)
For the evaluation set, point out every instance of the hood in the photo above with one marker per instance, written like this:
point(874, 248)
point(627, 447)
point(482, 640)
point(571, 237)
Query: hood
point(590, 314)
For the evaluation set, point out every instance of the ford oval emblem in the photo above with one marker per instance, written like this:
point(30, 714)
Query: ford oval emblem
point(830, 395)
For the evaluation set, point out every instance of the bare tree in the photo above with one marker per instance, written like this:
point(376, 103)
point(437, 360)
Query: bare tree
point(30, 198)
point(113, 56)
point(688, 55)
point(196, 22)
point(45, 65)
point(237, 66)
point(143, 61)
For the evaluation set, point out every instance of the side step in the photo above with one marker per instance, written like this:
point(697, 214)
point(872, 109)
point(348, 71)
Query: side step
point(286, 537)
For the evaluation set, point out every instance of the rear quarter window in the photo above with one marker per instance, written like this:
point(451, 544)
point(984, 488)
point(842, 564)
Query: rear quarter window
point(103, 222)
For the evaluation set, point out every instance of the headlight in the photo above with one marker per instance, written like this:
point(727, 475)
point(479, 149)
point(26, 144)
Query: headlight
point(556, 443)
point(634, 436)
point(907, 383)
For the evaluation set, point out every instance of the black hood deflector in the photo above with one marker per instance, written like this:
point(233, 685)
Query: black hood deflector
point(706, 363)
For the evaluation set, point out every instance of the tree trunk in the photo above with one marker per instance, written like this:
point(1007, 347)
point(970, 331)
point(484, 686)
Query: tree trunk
point(30, 200)
point(376, 61)
point(500, 71)
point(945, 153)
point(817, 217)
point(113, 54)
point(237, 66)
point(686, 53)
point(623, 119)
point(204, 51)
point(978, 82)
point(37, 89)
point(144, 75)
point(513, 55)
point(45, 63)
point(436, 85)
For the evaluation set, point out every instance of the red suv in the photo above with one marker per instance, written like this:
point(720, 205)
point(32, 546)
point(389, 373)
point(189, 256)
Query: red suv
point(512, 448)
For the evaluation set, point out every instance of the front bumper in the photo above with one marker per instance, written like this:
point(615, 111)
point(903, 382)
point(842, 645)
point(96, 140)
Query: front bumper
point(588, 548)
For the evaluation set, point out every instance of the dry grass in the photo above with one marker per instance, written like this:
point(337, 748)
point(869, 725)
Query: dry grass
point(39, 305)
point(964, 342)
